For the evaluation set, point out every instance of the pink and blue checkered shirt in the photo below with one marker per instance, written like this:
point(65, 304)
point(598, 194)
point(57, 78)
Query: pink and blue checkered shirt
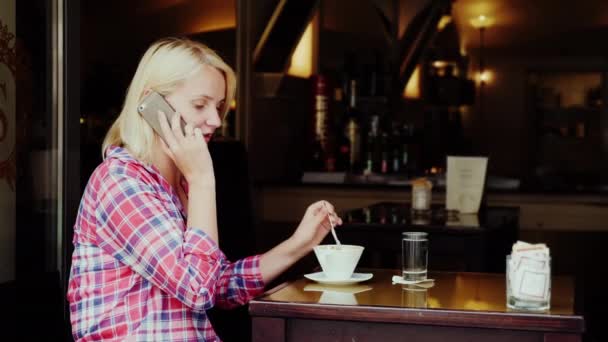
point(137, 273)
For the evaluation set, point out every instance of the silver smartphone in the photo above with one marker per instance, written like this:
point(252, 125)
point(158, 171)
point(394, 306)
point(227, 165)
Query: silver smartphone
point(149, 107)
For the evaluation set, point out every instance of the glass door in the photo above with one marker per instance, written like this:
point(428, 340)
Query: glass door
point(8, 98)
point(36, 147)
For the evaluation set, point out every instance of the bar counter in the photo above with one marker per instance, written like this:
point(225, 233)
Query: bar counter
point(460, 306)
point(538, 211)
point(459, 242)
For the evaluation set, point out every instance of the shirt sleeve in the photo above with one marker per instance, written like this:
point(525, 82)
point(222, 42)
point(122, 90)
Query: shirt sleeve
point(136, 228)
point(239, 282)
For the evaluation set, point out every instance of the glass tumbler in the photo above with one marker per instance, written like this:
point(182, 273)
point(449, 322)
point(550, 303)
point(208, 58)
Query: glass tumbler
point(414, 261)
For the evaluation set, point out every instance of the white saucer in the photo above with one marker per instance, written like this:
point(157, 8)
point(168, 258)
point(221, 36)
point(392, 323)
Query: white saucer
point(320, 277)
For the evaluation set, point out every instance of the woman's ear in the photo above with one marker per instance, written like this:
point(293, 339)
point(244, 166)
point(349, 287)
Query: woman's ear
point(147, 91)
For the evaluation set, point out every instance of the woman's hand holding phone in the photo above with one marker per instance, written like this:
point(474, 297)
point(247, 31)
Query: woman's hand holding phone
point(188, 150)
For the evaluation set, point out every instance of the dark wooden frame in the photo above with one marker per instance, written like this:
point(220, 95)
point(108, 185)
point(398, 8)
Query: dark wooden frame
point(282, 321)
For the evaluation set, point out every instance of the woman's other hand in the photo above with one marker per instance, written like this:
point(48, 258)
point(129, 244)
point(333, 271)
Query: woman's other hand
point(315, 225)
point(188, 150)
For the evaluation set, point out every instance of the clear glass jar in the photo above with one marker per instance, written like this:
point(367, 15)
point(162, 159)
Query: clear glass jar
point(528, 289)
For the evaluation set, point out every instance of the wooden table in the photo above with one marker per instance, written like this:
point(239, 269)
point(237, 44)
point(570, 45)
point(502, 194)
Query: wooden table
point(460, 307)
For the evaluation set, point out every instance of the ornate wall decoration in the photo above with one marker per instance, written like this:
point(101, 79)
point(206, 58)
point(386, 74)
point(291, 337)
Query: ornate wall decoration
point(8, 71)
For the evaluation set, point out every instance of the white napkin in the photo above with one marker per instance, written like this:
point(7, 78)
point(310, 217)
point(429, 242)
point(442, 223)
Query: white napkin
point(399, 280)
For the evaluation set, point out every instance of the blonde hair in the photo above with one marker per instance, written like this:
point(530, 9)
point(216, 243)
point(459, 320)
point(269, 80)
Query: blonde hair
point(166, 64)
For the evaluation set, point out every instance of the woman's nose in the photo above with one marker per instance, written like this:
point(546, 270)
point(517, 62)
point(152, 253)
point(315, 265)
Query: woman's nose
point(214, 120)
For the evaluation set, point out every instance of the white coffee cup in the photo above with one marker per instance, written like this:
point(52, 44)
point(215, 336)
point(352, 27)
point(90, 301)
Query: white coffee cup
point(338, 262)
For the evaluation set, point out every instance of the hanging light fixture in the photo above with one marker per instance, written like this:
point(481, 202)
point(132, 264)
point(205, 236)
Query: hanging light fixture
point(481, 22)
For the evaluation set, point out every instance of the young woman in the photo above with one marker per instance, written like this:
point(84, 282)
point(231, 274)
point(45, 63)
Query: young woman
point(147, 262)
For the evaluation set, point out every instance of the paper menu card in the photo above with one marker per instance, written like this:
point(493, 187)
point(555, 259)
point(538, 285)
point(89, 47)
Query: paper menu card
point(465, 181)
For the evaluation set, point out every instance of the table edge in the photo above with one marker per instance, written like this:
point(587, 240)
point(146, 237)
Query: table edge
point(439, 317)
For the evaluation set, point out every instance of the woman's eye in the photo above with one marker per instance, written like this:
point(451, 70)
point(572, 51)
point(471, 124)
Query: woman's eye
point(221, 105)
point(199, 107)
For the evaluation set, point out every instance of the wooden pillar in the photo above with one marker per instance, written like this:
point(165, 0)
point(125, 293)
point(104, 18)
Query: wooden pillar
point(244, 43)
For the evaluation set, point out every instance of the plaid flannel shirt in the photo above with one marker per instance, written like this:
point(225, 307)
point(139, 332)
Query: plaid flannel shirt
point(137, 273)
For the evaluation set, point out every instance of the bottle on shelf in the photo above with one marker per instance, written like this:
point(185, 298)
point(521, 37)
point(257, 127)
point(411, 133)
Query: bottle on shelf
point(395, 146)
point(349, 73)
point(320, 157)
point(353, 129)
point(368, 165)
point(342, 143)
point(372, 146)
point(406, 135)
point(384, 153)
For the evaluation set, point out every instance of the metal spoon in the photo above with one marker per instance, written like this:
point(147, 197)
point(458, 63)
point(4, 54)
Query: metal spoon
point(331, 222)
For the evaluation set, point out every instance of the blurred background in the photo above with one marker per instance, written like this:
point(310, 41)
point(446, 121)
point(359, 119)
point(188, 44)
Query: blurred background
point(345, 100)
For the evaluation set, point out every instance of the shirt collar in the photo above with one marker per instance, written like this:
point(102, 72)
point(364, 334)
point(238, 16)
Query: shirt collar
point(122, 154)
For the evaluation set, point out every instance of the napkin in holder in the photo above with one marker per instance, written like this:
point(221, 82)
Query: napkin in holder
point(529, 277)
